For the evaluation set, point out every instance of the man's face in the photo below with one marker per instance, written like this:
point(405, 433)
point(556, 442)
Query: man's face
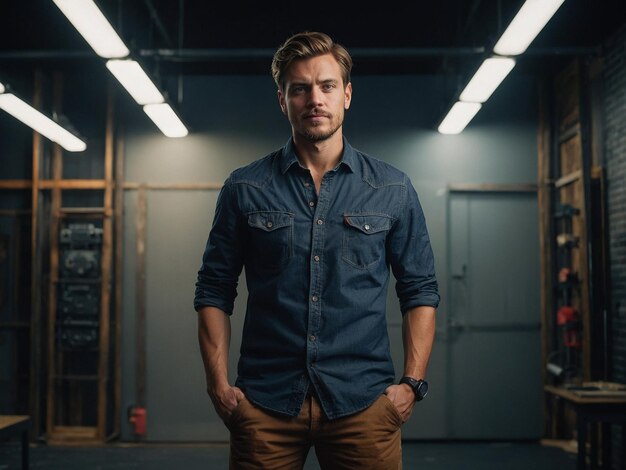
point(314, 99)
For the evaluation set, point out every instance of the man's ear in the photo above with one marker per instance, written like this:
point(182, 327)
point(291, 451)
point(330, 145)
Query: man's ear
point(281, 102)
point(347, 96)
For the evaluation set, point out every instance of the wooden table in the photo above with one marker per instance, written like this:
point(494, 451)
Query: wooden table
point(11, 426)
point(609, 408)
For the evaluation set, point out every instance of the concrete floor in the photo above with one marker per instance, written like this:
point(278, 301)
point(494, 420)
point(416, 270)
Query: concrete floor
point(417, 455)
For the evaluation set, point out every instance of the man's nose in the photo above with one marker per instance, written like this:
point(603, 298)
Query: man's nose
point(315, 97)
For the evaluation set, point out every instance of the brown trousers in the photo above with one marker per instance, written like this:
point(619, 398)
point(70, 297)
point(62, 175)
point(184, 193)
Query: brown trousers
point(368, 440)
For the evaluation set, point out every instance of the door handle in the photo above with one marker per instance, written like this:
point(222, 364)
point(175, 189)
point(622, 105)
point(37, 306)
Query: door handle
point(460, 275)
point(454, 325)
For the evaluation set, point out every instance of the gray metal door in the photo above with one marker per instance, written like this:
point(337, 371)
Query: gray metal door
point(493, 323)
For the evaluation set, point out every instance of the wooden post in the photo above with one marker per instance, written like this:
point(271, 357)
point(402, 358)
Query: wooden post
point(141, 297)
point(545, 206)
point(105, 285)
point(57, 165)
point(118, 265)
point(35, 307)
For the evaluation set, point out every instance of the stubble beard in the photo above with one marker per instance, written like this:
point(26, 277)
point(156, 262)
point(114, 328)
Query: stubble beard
point(311, 136)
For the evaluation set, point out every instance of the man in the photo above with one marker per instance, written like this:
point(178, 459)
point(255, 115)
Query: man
point(317, 225)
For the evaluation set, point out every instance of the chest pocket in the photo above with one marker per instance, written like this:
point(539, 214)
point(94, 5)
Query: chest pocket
point(363, 243)
point(271, 239)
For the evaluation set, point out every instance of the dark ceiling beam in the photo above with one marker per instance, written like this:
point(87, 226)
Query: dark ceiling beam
point(242, 54)
point(469, 19)
point(158, 23)
point(258, 53)
point(44, 54)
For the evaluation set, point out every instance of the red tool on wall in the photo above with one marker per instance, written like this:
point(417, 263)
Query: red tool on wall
point(567, 318)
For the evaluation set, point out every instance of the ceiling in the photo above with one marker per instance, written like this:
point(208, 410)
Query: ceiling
point(200, 36)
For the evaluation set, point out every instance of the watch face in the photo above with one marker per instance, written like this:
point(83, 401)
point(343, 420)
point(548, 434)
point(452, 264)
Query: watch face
point(422, 388)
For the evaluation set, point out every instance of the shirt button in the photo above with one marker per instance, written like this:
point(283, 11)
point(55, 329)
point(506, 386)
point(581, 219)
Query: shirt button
point(316, 258)
point(367, 227)
point(269, 225)
point(320, 221)
point(306, 185)
point(312, 338)
point(311, 203)
point(314, 298)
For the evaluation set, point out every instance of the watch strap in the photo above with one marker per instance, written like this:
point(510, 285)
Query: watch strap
point(417, 385)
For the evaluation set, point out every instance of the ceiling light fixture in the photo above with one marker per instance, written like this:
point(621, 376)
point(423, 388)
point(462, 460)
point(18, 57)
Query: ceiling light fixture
point(458, 117)
point(166, 119)
point(486, 79)
point(98, 32)
point(526, 25)
point(94, 27)
point(132, 77)
point(40, 123)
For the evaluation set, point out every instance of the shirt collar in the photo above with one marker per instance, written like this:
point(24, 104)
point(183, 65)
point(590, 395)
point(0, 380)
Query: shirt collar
point(289, 158)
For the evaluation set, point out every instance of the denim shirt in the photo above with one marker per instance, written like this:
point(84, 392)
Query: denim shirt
point(317, 271)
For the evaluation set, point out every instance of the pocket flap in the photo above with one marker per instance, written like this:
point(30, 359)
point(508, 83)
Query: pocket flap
point(368, 224)
point(270, 220)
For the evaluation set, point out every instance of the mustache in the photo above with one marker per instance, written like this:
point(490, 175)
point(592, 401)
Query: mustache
point(317, 114)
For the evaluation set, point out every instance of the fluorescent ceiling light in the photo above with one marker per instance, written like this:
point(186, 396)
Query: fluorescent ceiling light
point(40, 123)
point(94, 27)
point(1, 88)
point(526, 25)
point(132, 77)
point(486, 79)
point(166, 119)
point(458, 117)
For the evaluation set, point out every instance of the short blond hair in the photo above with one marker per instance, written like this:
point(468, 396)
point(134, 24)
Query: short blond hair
point(306, 45)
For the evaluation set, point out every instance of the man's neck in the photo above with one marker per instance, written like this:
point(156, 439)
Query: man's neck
point(319, 157)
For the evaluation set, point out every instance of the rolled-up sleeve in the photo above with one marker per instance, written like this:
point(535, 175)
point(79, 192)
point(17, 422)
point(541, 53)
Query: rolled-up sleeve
point(410, 255)
point(222, 261)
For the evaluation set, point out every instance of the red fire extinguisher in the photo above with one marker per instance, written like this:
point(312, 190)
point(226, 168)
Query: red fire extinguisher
point(137, 417)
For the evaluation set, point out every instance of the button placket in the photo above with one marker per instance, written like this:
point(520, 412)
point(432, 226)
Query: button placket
point(319, 205)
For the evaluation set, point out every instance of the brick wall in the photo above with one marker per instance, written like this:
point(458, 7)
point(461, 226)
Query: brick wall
point(615, 159)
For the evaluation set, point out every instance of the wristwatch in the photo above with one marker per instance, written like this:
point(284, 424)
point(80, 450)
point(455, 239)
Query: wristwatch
point(419, 387)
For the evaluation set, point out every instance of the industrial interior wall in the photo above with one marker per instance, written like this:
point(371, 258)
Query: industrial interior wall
point(615, 158)
point(234, 120)
point(23, 292)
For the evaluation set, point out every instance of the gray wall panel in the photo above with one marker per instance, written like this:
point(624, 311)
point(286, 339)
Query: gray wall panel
point(235, 120)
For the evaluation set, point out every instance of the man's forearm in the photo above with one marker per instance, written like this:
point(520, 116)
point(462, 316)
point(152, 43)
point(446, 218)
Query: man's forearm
point(418, 329)
point(214, 339)
point(418, 333)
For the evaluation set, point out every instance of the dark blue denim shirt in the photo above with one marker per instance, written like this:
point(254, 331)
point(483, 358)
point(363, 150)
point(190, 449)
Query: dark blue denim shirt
point(317, 270)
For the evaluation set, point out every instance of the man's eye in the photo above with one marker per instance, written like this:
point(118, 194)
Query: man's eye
point(328, 86)
point(297, 89)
